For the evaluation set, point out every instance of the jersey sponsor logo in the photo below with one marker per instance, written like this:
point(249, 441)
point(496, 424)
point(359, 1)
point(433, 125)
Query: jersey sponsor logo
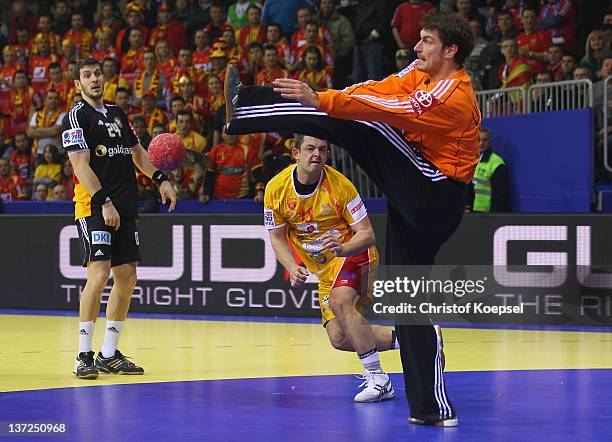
point(100, 237)
point(309, 227)
point(269, 218)
point(291, 203)
point(102, 151)
point(72, 136)
point(356, 208)
point(422, 101)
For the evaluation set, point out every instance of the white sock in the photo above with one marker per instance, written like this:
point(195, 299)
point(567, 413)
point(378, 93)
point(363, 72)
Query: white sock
point(111, 338)
point(86, 330)
point(370, 360)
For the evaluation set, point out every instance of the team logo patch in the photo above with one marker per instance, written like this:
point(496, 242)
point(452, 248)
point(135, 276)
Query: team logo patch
point(309, 227)
point(291, 203)
point(269, 218)
point(72, 136)
point(422, 101)
point(325, 209)
point(100, 237)
point(101, 150)
point(356, 208)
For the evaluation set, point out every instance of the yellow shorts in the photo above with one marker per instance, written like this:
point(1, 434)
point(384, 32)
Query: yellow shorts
point(357, 272)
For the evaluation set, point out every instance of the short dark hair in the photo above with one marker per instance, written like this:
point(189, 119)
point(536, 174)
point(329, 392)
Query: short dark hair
point(184, 112)
point(270, 47)
point(453, 30)
point(121, 89)
point(88, 61)
point(311, 23)
point(254, 6)
point(177, 98)
point(139, 119)
point(255, 44)
point(54, 65)
point(298, 141)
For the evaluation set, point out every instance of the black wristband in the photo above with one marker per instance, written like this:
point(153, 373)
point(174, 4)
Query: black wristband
point(99, 198)
point(159, 177)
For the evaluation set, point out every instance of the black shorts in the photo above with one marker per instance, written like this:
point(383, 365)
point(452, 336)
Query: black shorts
point(100, 242)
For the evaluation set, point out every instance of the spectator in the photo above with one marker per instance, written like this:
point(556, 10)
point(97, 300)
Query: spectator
point(201, 54)
point(150, 81)
point(234, 168)
point(166, 63)
point(61, 18)
point(314, 73)
point(21, 101)
point(111, 79)
point(184, 183)
point(272, 69)
point(83, 38)
point(168, 29)
point(49, 171)
point(140, 129)
point(122, 98)
point(473, 64)
point(158, 129)
point(195, 144)
point(176, 104)
point(568, 65)
point(12, 187)
point(152, 115)
point(543, 99)
point(252, 64)
point(76, 99)
point(583, 73)
point(402, 59)
point(67, 178)
point(232, 49)
point(505, 27)
point(39, 64)
point(104, 47)
point(22, 46)
point(559, 17)
point(489, 190)
point(555, 54)
point(283, 12)
point(595, 52)
point(108, 23)
point(283, 48)
point(44, 28)
point(40, 193)
point(59, 193)
point(343, 40)
point(217, 23)
point(533, 43)
point(515, 71)
point(68, 53)
point(252, 30)
point(311, 39)
point(199, 18)
point(131, 60)
point(193, 103)
point(369, 24)
point(183, 12)
point(46, 124)
point(215, 97)
point(238, 14)
point(218, 62)
point(9, 68)
point(186, 70)
point(134, 17)
point(467, 10)
point(22, 19)
point(406, 24)
point(299, 40)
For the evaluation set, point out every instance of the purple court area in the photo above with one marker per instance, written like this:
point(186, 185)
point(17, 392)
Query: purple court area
point(559, 405)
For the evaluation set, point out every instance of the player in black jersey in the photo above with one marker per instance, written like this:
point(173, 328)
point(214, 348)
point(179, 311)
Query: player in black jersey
point(103, 150)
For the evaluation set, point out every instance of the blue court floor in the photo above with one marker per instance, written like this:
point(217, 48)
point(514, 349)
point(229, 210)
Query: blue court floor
point(277, 381)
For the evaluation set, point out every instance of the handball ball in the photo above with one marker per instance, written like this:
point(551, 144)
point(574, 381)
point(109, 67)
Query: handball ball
point(166, 151)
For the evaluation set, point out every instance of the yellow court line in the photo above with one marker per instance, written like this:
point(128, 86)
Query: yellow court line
point(37, 352)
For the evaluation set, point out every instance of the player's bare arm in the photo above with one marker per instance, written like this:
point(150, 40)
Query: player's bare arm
point(363, 239)
point(91, 183)
point(141, 160)
point(284, 254)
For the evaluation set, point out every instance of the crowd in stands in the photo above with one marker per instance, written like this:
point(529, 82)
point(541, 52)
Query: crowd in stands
point(164, 64)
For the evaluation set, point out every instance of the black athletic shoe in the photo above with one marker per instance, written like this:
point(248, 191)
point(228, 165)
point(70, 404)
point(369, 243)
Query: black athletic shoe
point(231, 87)
point(117, 364)
point(84, 367)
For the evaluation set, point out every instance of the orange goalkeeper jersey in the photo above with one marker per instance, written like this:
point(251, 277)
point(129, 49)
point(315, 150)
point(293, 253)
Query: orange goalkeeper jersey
point(441, 119)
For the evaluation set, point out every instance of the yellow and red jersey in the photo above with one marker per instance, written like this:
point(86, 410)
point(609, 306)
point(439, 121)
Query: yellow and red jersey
point(233, 167)
point(173, 32)
point(65, 89)
point(441, 119)
point(298, 39)
point(39, 70)
point(249, 34)
point(326, 57)
point(332, 208)
point(318, 80)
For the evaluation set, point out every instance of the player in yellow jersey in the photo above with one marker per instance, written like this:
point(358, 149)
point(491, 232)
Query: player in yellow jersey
point(320, 212)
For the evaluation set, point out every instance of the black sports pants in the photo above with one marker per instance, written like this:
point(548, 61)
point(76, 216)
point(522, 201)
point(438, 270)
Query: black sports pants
point(425, 208)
